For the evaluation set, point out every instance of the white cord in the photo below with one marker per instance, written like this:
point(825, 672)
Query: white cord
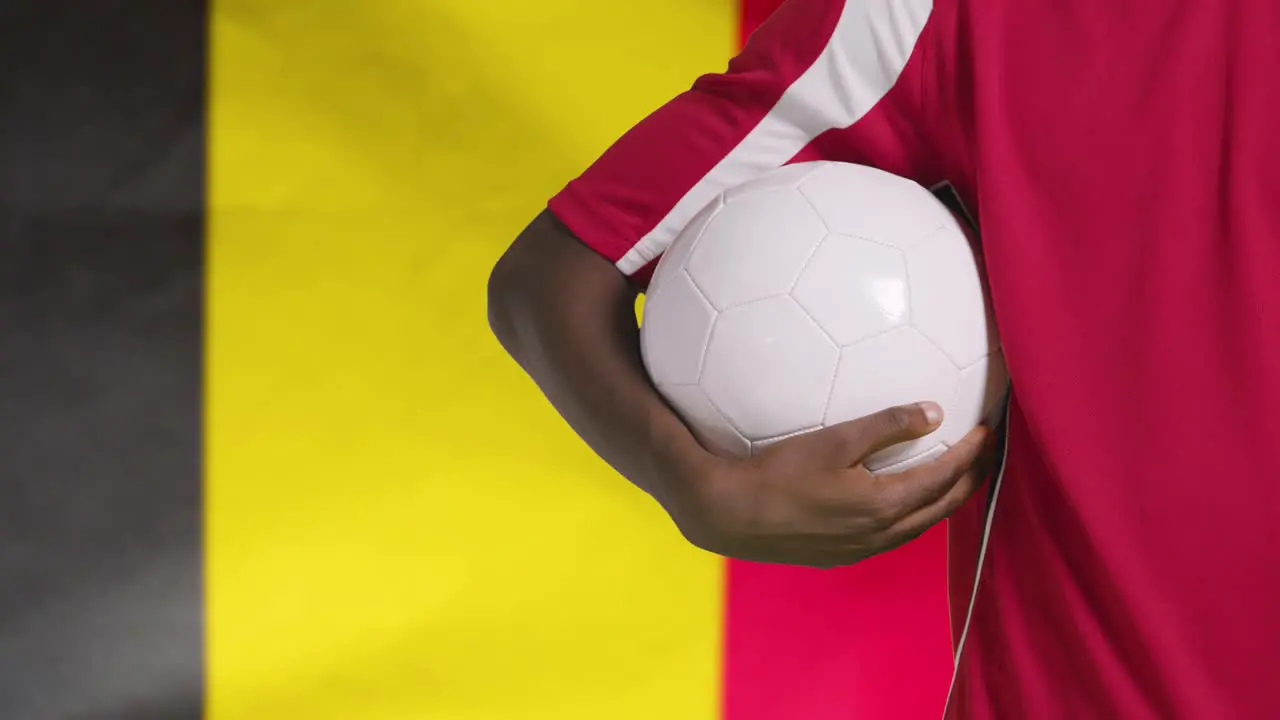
point(982, 556)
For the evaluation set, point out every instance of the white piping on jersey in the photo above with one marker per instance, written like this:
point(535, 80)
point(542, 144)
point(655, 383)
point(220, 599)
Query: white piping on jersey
point(977, 573)
point(860, 64)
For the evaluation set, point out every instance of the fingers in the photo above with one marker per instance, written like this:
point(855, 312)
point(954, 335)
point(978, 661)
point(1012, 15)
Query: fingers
point(905, 504)
point(907, 493)
point(846, 515)
point(849, 442)
point(914, 525)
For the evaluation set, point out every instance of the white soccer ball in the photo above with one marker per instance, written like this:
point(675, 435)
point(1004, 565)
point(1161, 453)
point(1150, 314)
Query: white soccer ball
point(819, 293)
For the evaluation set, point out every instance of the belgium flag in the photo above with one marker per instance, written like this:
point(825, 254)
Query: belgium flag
point(259, 457)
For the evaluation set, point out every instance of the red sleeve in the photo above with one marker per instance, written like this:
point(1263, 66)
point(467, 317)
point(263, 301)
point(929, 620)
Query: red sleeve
point(821, 79)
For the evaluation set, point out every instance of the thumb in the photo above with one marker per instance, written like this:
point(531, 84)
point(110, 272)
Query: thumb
point(849, 442)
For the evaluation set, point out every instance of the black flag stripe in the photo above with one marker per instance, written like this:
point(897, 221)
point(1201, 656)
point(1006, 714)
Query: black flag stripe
point(102, 136)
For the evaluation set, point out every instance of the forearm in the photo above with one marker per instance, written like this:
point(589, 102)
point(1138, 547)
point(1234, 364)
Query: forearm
point(567, 317)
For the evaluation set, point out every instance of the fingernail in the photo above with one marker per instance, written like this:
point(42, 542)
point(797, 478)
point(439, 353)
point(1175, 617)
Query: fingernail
point(932, 412)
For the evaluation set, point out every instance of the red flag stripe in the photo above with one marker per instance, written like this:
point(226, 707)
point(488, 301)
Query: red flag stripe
point(871, 641)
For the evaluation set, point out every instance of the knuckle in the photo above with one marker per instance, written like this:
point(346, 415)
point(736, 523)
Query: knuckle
point(900, 418)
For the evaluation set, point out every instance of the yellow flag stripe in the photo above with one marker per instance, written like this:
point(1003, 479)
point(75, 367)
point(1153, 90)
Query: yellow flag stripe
point(398, 527)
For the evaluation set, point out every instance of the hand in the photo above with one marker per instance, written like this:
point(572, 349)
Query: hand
point(809, 501)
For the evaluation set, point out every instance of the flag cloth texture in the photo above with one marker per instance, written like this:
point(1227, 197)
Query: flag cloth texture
point(262, 458)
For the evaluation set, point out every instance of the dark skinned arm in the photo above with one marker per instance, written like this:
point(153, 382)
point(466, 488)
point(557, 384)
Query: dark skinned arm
point(567, 316)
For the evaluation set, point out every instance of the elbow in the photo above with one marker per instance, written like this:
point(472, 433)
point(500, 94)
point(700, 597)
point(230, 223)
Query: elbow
point(518, 282)
point(548, 279)
point(503, 295)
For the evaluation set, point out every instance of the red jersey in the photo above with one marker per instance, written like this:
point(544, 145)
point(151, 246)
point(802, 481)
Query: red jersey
point(1122, 161)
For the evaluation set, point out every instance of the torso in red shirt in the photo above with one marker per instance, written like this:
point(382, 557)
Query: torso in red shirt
point(1122, 159)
